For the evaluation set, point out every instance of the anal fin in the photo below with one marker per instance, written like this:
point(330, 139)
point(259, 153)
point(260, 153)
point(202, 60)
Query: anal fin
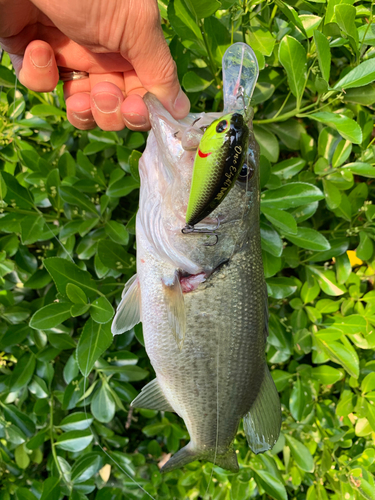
point(128, 311)
point(263, 422)
point(152, 398)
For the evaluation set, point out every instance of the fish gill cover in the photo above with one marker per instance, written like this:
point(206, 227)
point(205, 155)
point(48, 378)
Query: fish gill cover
point(73, 192)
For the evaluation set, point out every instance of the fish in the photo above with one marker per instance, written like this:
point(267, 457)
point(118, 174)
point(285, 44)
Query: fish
point(203, 306)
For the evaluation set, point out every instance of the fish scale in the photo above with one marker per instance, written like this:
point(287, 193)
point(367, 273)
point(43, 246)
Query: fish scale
point(235, 330)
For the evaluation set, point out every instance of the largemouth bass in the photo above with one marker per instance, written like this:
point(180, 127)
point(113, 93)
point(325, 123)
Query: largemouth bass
point(202, 303)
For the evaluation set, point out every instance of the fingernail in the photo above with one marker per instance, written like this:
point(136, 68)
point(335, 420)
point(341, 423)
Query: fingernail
point(41, 57)
point(134, 120)
point(83, 116)
point(105, 102)
point(182, 103)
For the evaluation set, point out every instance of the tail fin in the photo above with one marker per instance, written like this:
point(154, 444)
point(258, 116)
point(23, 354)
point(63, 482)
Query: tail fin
point(190, 454)
point(263, 422)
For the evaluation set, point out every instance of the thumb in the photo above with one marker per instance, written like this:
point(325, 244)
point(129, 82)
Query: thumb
point(157, 72)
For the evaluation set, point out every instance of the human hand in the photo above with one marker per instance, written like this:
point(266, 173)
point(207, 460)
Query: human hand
point(120, 44)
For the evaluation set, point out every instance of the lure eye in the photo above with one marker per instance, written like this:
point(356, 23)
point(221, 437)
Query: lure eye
point(221, 126)
point(246, 173)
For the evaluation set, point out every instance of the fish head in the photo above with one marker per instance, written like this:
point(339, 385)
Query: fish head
point(166, 171)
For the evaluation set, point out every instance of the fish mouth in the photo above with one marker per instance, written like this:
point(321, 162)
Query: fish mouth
point(190, 282)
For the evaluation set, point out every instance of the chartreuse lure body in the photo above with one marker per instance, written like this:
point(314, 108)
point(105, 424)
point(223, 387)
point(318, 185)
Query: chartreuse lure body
point(217, 165)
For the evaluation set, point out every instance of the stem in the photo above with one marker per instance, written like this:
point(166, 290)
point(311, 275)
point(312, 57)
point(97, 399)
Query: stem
point(283, 105)
point(54, 454)
point(295, 112)
point(211, 60)
point(242, 27)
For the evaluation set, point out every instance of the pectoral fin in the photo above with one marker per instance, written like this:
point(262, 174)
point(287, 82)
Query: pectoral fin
point(174, 299)
point(263, 422)
point(128, 311)
point(152, 398)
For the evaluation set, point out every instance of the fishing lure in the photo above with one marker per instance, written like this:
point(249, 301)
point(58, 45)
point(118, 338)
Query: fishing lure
point(217, 165)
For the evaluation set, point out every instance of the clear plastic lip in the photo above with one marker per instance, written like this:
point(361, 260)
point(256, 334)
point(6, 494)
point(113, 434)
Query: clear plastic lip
point(240, 71)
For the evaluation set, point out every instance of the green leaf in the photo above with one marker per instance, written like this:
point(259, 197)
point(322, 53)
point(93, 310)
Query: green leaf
point(269, 146)
point(310, 292)
point(47, 110)
point(64, 272)
point(117, 232)
point(358, 77)
point(310, 22)
point(22, 372)
point(271, 241)
point(324, 54)
point(50, 316)
point(122, 187)
point(368, 383)
point(75, 294)
point(288, 168)
point(77, 421)
point(362, 95)
point(343, 355)
point(32, 228)
point(192, 82)
point(345, 18)
point(281, 220)
point(348, 128)
point(300, 453)
point(360, 168)
point(183, 22)
point(94, 340)
point(101, 310)
point(74, 441)
point(280, 288)
point(291, 14)
point(292, 56)
point(293, 194)
point(271, 484)
point(114, 256)
point(260, 39)
point(3, 186)
point(103, 405)
point(365, 248)
point(73, 196)
point(86, 467)
point(18, 418)
point(7, 78)
point(17, 195)
point(309, 238)
point(51, 489)
point(327, 281)
point(203, 8)
point(327, 375)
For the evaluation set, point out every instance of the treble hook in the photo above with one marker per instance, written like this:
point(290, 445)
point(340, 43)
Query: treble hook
point(241, 95)
point(192, 230)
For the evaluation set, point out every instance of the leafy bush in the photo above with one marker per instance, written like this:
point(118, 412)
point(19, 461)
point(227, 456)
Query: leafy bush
point(69, 200)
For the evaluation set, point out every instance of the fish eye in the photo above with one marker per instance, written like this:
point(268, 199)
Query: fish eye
point(221, 126)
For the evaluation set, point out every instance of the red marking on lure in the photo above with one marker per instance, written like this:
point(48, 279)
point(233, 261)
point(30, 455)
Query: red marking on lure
point(203, 155)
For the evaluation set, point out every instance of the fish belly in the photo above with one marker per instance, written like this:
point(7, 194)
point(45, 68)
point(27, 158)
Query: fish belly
point(216, 376)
